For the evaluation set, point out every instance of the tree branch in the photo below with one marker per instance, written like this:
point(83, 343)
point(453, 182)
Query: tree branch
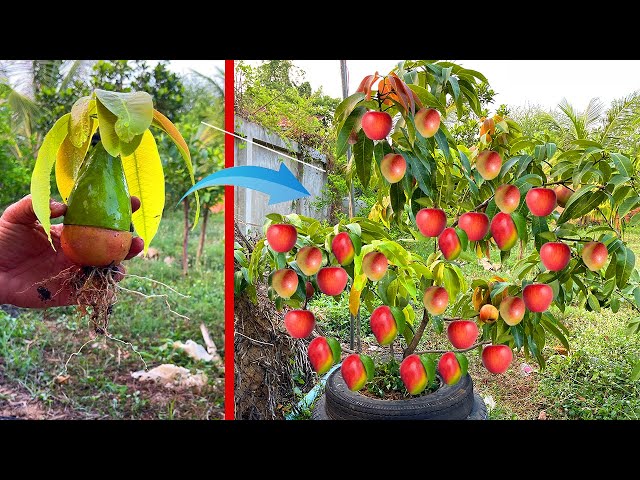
point(485, 342)
point(416, 338)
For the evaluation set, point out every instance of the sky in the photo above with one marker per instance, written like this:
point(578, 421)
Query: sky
point(516, 82)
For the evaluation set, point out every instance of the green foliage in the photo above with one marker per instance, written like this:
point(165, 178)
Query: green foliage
point(275, 95)
point(593, 380)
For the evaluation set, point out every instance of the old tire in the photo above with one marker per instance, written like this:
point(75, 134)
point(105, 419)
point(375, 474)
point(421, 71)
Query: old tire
point(455, 402)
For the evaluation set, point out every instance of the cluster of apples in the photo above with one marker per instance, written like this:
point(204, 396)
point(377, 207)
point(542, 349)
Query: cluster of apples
point(377, 125)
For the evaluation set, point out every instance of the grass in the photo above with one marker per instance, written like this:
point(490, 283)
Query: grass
point(35, 345)
point(591, 382)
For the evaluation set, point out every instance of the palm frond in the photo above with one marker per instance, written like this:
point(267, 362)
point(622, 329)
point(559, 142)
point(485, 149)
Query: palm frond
point(75, 69)
point(216, 83)
point(621, 119)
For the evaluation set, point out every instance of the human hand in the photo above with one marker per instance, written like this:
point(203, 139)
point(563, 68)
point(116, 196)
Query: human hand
point(27, 259)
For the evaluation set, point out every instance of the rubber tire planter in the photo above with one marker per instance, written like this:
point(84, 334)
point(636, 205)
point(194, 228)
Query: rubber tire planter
point(456, 402)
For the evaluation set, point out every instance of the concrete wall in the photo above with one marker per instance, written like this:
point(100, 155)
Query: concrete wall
point(251, 206)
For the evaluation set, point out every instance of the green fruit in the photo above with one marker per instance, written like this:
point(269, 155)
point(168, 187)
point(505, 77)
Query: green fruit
point(100, 197)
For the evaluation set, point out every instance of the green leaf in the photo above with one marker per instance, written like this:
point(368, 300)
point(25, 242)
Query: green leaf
point(623, 164)
point(113, 144)
point(628, 204)
point(582, 202)
point(521, 226)
point(41, 176)
point(507, 165)
point(464, 238)
point(363, 155)
point(464, 363)
point(344, 109)
point(342, 141)
point(398, 316)
point(465, 162)
point(145, 179)
point(451, 282)
point(615, 304)
point(635, 373)
point(593, 302)
point(625, 261)
point(427, 97)
point(357, 242)
point(549, 326)
point(398, 198)
point(368, 366)
point(134, 112)
point(430, 367)
point(517, 332)
point(443, 145)
point(636, 296)
point(551, 150)
point(80, 121)
point(336, 350)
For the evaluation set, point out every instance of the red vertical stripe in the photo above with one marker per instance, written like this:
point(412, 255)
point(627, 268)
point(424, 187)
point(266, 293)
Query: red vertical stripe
point(228, 243)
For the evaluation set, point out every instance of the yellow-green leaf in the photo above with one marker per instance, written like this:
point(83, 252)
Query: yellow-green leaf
point(41, 176)
point(112, 143)
point(145, 179)
point(80, 121)
point(69, 160)
point(134, 112)
point(354, 300)
point(164, 124)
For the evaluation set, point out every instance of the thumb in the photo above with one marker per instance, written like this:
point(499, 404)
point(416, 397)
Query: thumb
point(22, 212)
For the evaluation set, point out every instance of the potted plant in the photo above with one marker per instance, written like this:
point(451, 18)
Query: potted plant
point(505, 191)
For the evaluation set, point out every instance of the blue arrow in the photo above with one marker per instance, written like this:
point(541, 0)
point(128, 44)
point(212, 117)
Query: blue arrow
point(280, 185)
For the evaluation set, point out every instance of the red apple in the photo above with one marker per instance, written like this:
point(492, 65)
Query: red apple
point(474, 224)
point(413, 374)
point(374, 265)
point(452, 367)
point(436, 300)
point(356, 370)
point(376, 125)
point(323, 353)
point(282, 237)
point(427, 121)
point(512, 310)
point(449, 243)
point(504, 231)
point(299, 323)
point(489, 164)
point(555, 255)
point(497, 358)
point(507, 198)
point(342, 247)
point(462, 333)
point(309, 260)
point(393, 167)
point(285, 282)
point(431, 221)
point(541, 201)
point(309, 289)
point(383, 325)
point(332, 280)
point(594, 255)
point(537, 296)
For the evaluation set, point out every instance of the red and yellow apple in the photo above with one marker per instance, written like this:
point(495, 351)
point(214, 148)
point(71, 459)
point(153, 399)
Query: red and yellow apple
point(374, 265)
point(504, 231)
point(309, 260)
point(281, 237)
point(449, 243)
point(594, 255)
point(488, 313)
point(507, 198)
point(299, 323)
point(393, 167)
point(376, 125)
point(452, 367)
point(342, 247)
point(356, 371)
point(285, 282)
point(431, 221)
point(436, 300)
point(332, 280)
point(427, 121)
point(537, 296)
point(489, 164)
point(323, 354)
point(563, 194)
point(413, 374)
point(512, 310)
point(541, 201)
point(383, 325)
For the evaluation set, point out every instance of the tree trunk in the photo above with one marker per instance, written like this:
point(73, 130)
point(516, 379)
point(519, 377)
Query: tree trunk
point(185, 241)
point(203, 233)
point(416, 338)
